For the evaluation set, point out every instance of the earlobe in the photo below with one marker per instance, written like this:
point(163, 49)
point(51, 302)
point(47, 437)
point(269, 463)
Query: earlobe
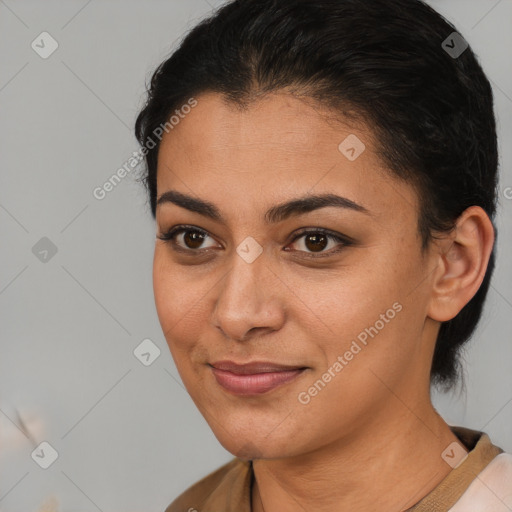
point(463, 257)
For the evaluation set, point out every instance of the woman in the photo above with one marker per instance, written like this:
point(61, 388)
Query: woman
point(323, 178)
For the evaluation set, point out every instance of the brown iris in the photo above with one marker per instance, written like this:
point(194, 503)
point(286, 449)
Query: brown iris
point(315, 242)
point(193, 239)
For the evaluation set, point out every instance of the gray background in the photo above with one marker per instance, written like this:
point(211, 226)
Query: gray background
point(128, 436)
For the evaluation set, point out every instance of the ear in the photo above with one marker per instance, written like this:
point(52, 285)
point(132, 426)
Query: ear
point(462, 256)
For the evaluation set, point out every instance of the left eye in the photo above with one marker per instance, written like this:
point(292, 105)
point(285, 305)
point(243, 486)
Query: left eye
point(315, 241)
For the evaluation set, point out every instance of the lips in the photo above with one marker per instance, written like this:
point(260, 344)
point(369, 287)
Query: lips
point(253, 378)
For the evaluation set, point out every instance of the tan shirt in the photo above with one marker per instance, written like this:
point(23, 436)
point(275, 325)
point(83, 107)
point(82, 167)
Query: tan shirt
point(228, 489)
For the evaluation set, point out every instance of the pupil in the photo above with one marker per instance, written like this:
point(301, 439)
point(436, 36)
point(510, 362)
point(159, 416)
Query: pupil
point(319, 240)
point(193, 239)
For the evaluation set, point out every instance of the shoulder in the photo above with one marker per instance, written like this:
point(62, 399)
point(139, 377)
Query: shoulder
point(215, 488)
point(491, 490)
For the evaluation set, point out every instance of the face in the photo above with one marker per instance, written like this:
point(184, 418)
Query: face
point(288, 322)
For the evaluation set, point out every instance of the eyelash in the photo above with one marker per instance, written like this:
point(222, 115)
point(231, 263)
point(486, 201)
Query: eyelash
point(171, 234)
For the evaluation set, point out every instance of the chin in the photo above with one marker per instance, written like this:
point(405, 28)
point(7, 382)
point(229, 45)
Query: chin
point(250, 447)
point(248, 451)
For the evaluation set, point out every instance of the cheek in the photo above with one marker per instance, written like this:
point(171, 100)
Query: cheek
point(164, 289)
point(375, 312)
point(178, 302)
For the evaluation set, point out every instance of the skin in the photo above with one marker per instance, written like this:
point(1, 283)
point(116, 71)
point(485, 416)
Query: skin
point(371, 435)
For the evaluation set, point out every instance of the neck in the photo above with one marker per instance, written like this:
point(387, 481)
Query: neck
point(389, 465)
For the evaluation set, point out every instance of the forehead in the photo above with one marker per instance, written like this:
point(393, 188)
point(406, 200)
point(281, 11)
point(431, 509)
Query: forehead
point(279, 147)
point(279, 122)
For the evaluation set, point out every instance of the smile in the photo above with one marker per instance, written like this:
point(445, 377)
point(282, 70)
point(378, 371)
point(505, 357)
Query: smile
point(253, 378)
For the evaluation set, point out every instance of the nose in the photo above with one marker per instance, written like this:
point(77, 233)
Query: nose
point(249, 302)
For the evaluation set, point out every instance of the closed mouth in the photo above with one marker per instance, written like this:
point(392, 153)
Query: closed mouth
point(255, 378)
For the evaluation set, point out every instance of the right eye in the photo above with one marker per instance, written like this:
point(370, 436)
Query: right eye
point(185, 238)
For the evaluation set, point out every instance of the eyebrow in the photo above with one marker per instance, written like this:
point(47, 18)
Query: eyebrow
point(275, 214)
